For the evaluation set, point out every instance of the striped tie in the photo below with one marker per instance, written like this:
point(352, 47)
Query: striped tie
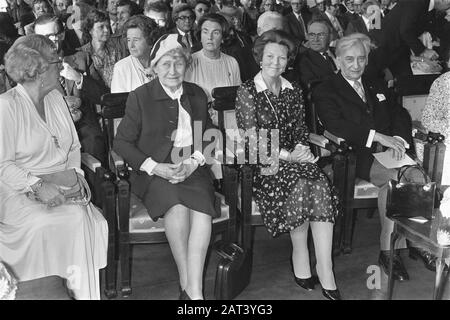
point(359, 90)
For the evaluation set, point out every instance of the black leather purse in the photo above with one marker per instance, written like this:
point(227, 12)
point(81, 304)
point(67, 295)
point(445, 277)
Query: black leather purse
point(410, 199)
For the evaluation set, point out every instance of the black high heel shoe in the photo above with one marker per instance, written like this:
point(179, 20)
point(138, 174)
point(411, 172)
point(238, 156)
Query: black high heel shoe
point(427, 258)
point(307, 284)
point(331, 294)
point(184, 296)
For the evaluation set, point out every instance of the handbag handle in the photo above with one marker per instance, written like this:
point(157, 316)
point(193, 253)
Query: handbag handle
point(402, 171)
point(87, 197)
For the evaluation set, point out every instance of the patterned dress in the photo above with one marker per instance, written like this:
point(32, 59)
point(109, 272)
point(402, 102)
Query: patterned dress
point(296, 192)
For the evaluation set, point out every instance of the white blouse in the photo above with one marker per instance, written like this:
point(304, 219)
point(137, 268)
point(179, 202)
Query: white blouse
point(129, 74)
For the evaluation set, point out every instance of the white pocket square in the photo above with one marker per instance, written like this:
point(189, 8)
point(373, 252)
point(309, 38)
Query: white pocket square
point(381, 97)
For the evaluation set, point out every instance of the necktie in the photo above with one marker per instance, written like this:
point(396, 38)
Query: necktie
point(302, 24)
point(330, 60)
point(359, 90)
point(185, 40)
point(62, 81)
point(337, 26)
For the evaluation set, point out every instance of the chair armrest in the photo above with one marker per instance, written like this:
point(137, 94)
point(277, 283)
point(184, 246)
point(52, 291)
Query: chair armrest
point(318, 140)
point(90, 162)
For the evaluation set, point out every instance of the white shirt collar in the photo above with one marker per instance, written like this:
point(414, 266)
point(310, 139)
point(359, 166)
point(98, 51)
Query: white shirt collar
point(431, 7)
point(366, 21)
point(173, 95)
point(181, 32)
point(261, 85)
point(329, 15)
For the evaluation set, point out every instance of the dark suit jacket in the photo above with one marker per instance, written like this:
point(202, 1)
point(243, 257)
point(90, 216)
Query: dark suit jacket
point(344, 114)
point(400, 30)
point(356, 26)
point(313, 67)
point(146, 129)
point(196, 43)
point(93, 85)
point(294, 27)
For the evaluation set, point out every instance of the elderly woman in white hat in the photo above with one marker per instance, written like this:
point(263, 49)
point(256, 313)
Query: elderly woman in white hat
point(157, 125)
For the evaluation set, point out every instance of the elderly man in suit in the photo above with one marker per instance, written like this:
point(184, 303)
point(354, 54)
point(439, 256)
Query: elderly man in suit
point(361, 111)
point(317, 62)
point(297, 20)
point(400, 30)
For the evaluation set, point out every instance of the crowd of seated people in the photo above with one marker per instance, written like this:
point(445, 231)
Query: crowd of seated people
point(169, 55)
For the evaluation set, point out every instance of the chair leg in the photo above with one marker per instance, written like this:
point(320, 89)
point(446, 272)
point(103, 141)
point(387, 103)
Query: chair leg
point(111, 271)
point(337, 236)
point(125, 268)
point(348, 230)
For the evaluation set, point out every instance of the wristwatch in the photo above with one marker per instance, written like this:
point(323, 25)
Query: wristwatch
point(35, 187)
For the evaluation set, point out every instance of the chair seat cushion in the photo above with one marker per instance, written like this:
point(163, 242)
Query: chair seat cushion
point(140, 221)
point(365, 189)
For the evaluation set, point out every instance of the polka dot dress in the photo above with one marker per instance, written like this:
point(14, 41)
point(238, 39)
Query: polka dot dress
point(296, 192)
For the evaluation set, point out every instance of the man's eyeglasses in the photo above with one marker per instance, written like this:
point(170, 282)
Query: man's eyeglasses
point(186, 18)
point(321, 35)
point(54, 36)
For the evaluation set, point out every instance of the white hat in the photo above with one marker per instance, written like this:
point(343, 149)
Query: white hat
point(165, 44)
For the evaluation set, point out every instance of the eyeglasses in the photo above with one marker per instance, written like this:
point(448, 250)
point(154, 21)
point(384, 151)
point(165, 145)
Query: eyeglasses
point(54, 36)
point(321, 35)
point(186, 18)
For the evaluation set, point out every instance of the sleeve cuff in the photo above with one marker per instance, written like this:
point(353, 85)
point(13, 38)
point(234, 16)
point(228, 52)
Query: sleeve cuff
point(148, 165)
point(370, 138)
point(32, 180)
point(406, 144)
point(79, 85)
point(199, 157)
point(284, 154)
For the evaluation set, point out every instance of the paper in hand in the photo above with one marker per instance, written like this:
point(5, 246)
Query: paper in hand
point(388, 161)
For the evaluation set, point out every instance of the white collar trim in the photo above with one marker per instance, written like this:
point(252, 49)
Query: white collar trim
point(261, 85)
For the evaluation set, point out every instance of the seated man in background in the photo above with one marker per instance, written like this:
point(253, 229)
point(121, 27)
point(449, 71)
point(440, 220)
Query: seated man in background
point(78, 90)
point(317, 62)
point(361, 111)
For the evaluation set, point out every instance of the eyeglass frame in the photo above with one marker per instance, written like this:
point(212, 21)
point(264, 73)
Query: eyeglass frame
point(186, 18)
point(320, 35)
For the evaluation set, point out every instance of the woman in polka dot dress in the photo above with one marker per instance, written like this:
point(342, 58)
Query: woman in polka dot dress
point(295, 194)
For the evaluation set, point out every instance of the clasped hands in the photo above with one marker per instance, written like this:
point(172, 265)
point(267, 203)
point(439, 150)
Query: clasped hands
point(175, 173)
point(302, 153)
point(395, 144)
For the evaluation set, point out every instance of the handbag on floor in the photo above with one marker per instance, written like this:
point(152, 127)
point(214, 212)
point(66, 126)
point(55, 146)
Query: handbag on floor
point(74, 186)
point(408, 199)
point(233, 271)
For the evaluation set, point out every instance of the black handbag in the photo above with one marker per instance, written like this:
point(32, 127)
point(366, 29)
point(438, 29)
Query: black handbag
point(233, 270)
point(408, 199)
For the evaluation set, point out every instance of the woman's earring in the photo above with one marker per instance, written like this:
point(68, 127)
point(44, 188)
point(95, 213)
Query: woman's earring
point(42, 83)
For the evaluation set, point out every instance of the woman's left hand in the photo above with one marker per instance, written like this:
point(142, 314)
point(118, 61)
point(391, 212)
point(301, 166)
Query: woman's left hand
point(302, 154)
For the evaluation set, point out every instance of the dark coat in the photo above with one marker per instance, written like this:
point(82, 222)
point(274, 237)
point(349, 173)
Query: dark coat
point(400, 30)
point(145, 131)
point(312, 67)
point(294, 27)
point(344, 114)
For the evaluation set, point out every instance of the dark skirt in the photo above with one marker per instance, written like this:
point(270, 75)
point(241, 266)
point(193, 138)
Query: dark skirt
point(196, 193)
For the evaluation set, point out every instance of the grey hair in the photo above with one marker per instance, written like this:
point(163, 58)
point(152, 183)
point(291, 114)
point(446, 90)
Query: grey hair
point(28, 57)
point(185, 53)
point(351, 40)
point(268, 16)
